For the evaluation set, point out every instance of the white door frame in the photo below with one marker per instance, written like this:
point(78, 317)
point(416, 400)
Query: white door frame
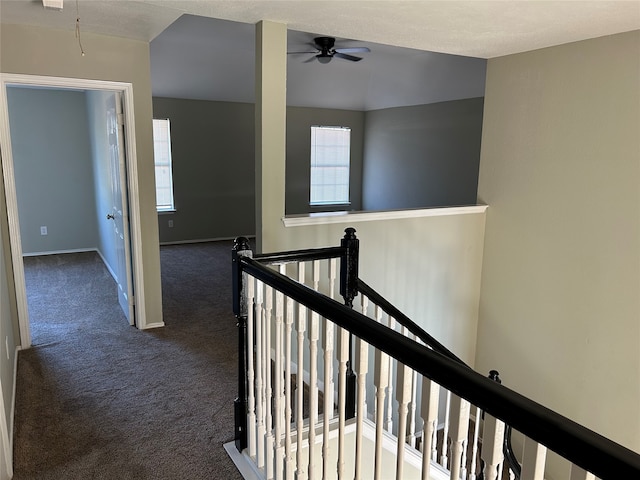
point(126, 89)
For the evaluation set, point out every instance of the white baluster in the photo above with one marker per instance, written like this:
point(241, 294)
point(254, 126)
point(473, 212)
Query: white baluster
point(251, 396)
point(388, 425)
point(260, 404)
point(412, 439)
point(403, 395)
point(381, 377)
point(458, 431)
point(492, 440)
point(444, 460)
point(333, 269)
point(343, 358)
point(463, 462)
point(327, 344)
point(578, 473)
point(301, 472)
point(361, 368)
point(314, 334)
point(534, 457)
point(279, 384)
point(378, 314)
point(269, 447)
point(328, 339)
point(290, 461)
point(474, 447)
point(429, 414)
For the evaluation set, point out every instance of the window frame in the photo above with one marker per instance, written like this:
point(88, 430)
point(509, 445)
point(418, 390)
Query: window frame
point(337, 199)
point(170, 207)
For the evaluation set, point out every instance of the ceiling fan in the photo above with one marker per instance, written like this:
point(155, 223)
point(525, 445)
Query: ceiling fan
point(325, 51)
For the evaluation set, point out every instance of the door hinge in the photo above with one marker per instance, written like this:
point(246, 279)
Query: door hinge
point(121, 119)
point(132, 300)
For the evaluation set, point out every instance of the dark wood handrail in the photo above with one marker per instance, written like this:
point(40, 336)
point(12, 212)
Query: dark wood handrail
point(576, 443)
point(300, 255)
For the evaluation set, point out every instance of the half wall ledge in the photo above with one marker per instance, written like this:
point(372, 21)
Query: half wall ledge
point(326, 218)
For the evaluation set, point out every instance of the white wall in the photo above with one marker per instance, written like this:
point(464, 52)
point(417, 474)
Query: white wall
point(427, 267)
point(560, 169)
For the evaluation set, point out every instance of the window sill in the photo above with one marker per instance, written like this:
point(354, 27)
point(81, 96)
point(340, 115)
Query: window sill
point(326, 218)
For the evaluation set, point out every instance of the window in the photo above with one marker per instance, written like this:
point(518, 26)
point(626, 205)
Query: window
point(162, 160)
point(330, 149)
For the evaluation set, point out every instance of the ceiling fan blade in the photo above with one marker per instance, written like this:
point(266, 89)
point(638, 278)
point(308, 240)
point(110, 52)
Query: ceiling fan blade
point(302, 53)
point(352, 50)
point(347, 57)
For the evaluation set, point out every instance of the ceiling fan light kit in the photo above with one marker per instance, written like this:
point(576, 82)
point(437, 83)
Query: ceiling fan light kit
point(325, 51)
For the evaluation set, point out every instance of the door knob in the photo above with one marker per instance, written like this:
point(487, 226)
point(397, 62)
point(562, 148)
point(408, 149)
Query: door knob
point(110, 217)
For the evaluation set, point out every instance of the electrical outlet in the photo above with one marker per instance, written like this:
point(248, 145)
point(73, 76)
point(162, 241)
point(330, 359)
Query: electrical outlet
point(43, 230)
point(170, 222)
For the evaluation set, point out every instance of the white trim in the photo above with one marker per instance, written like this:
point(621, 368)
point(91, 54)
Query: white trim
point(204, 240)
point(11, 199)
point(243, 463)
point(7, 79)
point(12, 412)
point(107, 266)
point(61, 252)
point(6, 442)
point(326, 218)
point(149, 326)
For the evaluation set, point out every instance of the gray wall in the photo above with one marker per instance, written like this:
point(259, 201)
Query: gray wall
point(53, 172)
point(298, 173)
point(560, 168)
point(422, 156)
point(408, 157)
point(212, 147)
point(9, 335)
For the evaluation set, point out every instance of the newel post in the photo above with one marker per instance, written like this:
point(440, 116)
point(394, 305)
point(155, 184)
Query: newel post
point(240, 309)
point(349, 290)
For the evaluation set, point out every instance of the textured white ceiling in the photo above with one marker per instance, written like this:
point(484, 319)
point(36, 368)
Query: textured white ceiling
point(212, 58)
point(479, 28)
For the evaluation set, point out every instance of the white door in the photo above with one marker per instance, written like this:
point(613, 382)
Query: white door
point(119, 216)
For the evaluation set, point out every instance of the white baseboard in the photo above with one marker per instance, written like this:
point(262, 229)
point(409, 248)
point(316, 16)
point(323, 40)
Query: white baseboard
point(108, 267)
point(6, 424)
point(13, 399)
point(244, 465)
point(204, 240)
point(149, 326)
point(59, 252)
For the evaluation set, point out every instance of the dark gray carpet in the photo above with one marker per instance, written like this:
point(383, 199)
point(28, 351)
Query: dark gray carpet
point(99, 399)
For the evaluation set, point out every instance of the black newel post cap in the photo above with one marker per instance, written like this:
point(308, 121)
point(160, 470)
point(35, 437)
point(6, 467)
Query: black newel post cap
point(241, 243)
point(495, 376)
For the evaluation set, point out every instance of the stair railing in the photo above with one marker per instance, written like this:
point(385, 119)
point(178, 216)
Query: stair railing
point(265, 297)
point(420, 335)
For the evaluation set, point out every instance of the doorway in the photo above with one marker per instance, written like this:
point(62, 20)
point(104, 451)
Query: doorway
point(117, 101)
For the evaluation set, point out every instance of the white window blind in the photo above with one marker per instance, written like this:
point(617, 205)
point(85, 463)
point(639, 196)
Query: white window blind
point(330, 158)
point(162, 159)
